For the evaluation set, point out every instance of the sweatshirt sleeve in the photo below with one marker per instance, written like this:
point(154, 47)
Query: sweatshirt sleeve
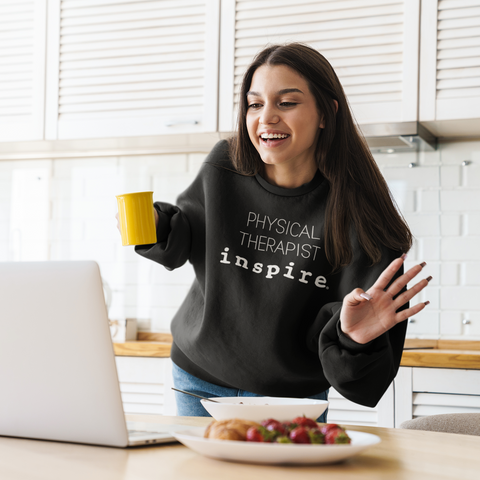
point(360, 372)
point(173, 245)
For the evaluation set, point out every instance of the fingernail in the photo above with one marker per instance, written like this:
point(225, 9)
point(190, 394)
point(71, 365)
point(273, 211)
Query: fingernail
point(429, 278)
point(423, 264)
point(427, 303)
point(404, 256)
point(366, 296)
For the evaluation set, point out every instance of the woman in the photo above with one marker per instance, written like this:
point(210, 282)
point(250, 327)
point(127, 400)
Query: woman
point(297, 249)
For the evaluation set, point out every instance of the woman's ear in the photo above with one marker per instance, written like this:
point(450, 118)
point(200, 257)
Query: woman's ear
point(322, 120)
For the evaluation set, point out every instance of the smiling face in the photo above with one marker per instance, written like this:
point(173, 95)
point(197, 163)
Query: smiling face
point(282, 119)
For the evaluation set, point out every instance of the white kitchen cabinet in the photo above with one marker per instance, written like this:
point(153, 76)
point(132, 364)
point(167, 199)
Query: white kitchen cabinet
point(341, 410)
point(120, 68)
point(22, 69)
point(145, 384)
point(421, 392)
point(450, 67)
point(372, 45)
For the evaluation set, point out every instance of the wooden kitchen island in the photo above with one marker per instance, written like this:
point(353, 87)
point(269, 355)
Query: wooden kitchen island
point(402, 454)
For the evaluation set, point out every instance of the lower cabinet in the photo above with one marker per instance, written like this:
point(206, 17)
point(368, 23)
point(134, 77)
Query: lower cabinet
point(415, 392)
point(421, 392)
point(341, 410)
point(145, 384)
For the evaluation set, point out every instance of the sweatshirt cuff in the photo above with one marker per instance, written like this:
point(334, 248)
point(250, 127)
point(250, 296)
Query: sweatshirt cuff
point(348, 344)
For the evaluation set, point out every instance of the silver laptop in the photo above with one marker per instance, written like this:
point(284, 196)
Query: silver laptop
point(58, 377)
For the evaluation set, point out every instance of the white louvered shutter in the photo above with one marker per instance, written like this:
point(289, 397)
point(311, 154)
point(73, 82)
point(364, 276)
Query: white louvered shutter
point(371, 44)
point(129, 68)
point(22, 69)
point(439, 391)
point(458, 59)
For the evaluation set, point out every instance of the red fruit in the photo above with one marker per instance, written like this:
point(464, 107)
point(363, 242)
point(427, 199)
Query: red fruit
point(277, 427)
point(299, 435)
point(336, 436)
point(254, 435)
point(325, 428)
point(266, 422)
point(305, 422)
point(316, 436)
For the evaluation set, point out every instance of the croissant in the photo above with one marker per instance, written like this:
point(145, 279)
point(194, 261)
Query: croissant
point(233, 429)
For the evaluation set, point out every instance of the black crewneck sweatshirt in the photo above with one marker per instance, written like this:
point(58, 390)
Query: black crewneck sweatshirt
point(262, 314)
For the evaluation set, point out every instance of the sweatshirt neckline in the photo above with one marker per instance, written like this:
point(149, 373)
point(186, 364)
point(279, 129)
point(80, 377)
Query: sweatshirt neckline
point(291, 192)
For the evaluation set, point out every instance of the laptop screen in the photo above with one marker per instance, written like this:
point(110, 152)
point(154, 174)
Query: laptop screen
point(58, 377)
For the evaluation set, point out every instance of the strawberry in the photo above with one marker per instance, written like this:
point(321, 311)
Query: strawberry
point(305, 422)
point(260, 434)
point(283, 439)
point(316, 436)
point(300, 435)
point(328, 426)
point(336, 436)
point(275, 426)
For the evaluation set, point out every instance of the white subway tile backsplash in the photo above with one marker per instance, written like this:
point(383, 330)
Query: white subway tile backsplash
point(155, 295)
point(154, 164)
point(195, 161)
point(424, 225)
point(472, 224)
point(450, 323)
point(429, 248)
point(428, 200)
point(471, 175)
point(162, 318)
point(450, 176)
point(471, 273)
point(418, 177)
point(439, 198)
point(472, 324)
point(426, 322)
point(450, 273)
point(450, 224)
point(460, 248)
point(460, 298)
point(460, 200)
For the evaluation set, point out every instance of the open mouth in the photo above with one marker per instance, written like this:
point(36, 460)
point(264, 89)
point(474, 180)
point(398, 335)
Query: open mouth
point(273, 138)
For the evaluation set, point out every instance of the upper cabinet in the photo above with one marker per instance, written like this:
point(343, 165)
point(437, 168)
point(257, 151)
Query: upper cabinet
point(372, 45)
point(131, 68)
point(22, 69)
point(450, 67)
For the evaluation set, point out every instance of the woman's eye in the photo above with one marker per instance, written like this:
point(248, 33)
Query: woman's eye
point(288, 104)
point(254, 105)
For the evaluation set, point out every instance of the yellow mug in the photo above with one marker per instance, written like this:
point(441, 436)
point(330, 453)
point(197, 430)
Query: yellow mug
point(136, 217)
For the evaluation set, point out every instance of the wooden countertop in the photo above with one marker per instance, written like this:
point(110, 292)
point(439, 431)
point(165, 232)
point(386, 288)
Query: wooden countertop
point(418, 353)
point(401, 455)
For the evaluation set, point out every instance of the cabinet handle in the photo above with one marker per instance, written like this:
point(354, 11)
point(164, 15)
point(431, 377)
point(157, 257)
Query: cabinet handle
point(466, 321)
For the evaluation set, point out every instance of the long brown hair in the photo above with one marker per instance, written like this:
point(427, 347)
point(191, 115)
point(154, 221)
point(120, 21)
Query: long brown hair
point(359, 195)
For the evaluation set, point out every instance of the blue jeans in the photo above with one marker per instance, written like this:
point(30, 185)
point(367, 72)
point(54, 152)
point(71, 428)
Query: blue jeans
point(188, 406)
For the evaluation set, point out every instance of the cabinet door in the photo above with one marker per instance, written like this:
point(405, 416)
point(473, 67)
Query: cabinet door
point(450, 61)
point(22, 69)
point(131, 68)
point(421, 392)
point(145, 384)
point(341, 410)
point(371, 44)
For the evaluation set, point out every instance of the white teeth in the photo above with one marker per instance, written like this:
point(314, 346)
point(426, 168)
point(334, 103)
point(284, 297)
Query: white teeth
point(273, 135)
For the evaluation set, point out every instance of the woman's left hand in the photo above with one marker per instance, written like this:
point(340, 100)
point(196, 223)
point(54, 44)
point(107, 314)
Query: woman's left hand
point(367, 315)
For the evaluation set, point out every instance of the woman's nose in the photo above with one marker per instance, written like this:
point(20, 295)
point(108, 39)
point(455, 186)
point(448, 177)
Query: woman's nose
point(269, 115)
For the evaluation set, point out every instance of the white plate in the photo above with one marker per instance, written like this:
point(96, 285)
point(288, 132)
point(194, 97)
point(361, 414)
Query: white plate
point(274, 453)
point(257, 409)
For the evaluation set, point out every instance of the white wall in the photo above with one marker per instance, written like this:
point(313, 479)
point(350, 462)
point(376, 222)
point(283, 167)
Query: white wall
point(65, 210)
